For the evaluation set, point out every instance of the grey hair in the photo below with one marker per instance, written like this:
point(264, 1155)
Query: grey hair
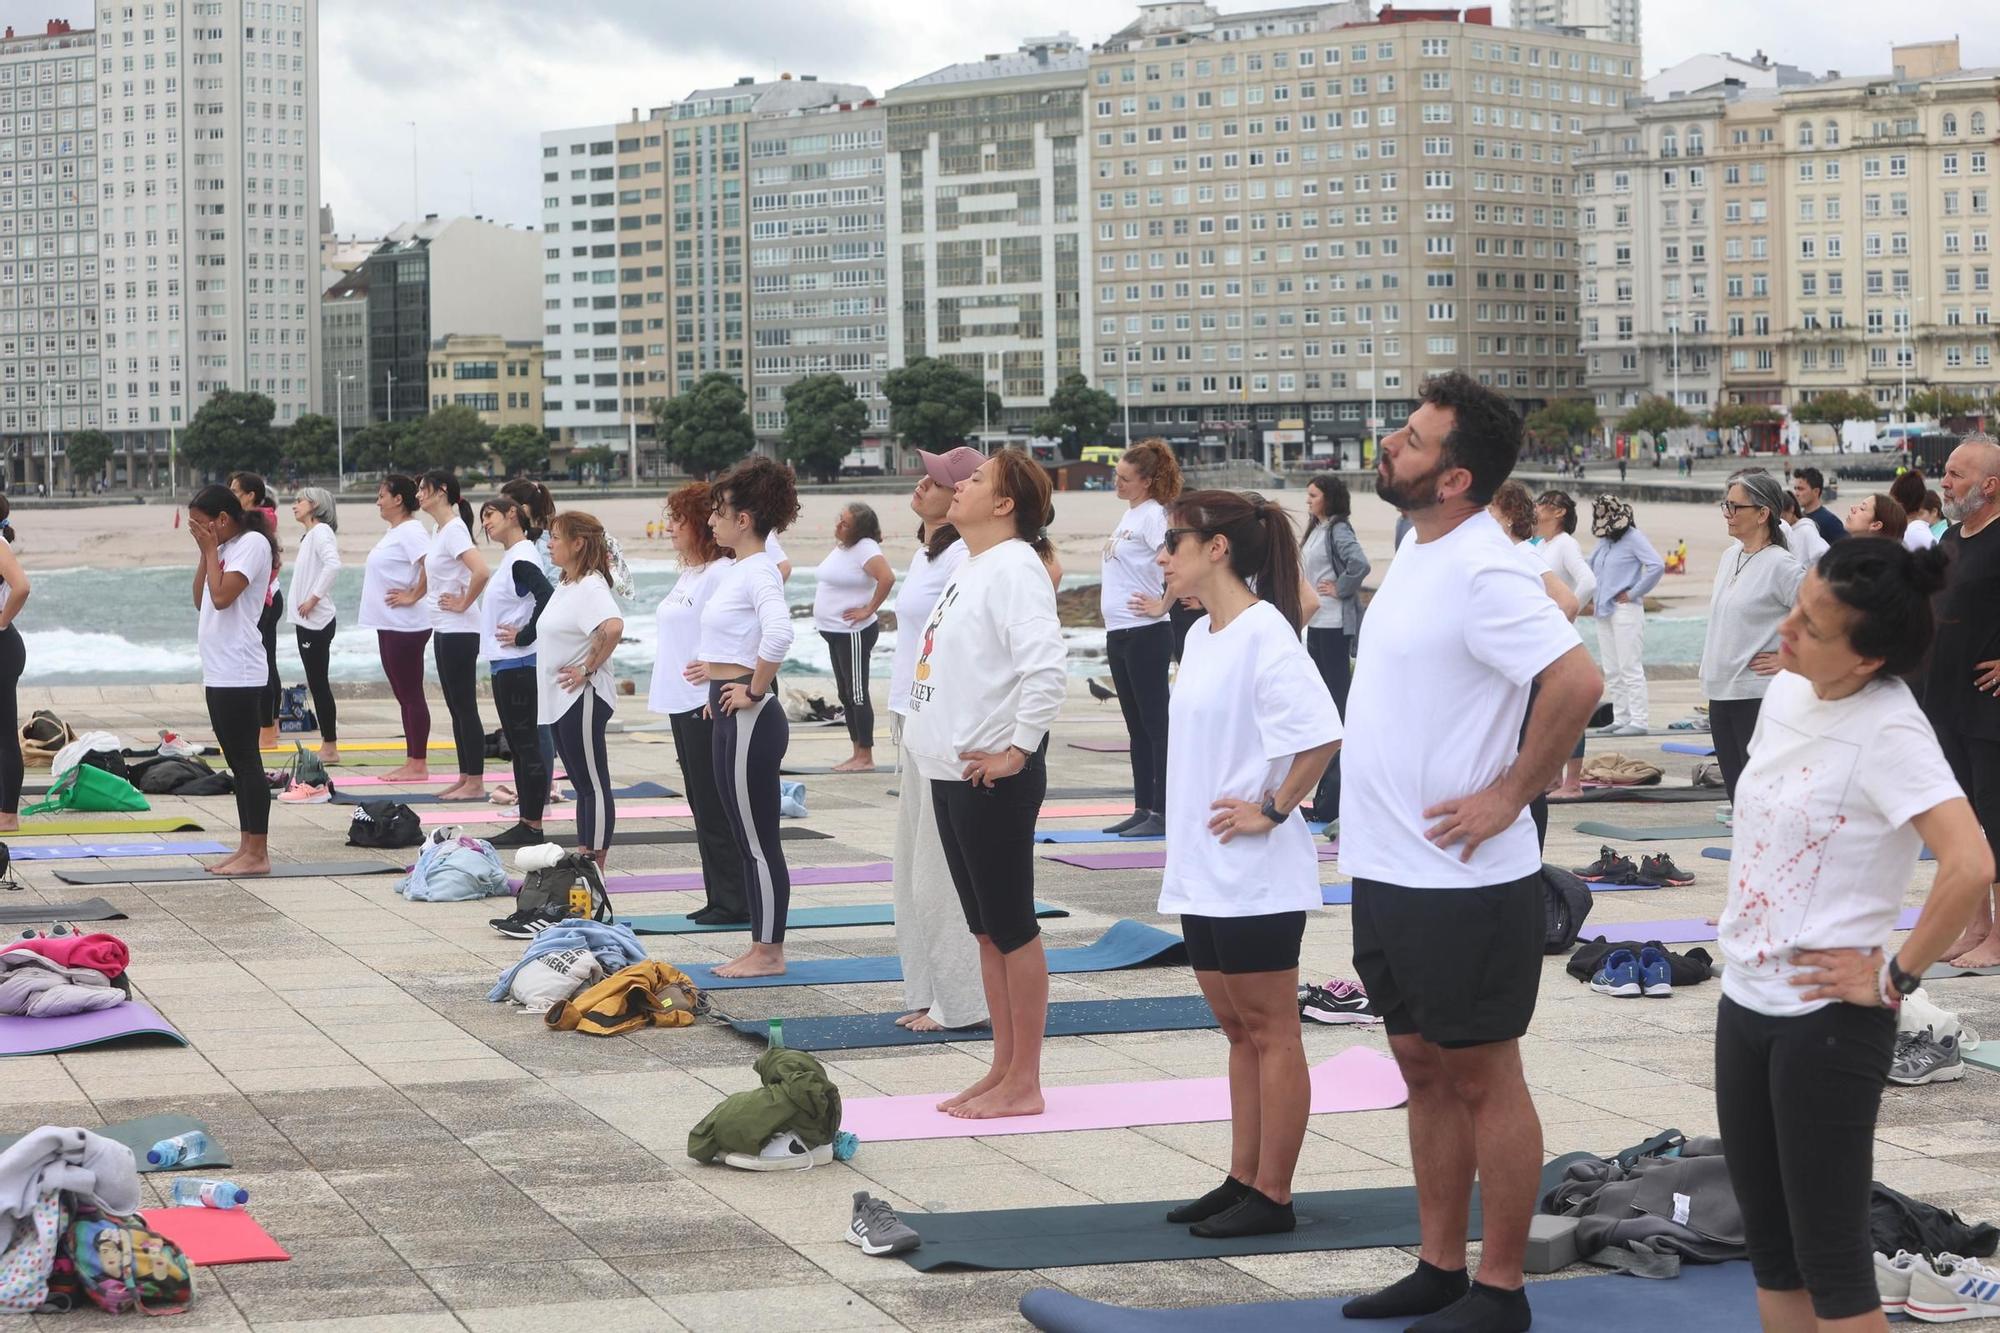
point(1765, 491)
point(323, 509)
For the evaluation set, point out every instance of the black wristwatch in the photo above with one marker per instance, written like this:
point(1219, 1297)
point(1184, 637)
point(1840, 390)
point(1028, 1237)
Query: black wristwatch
point(1271, 812)
point(1900, 981)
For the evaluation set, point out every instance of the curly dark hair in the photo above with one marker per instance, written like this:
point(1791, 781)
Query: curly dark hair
point(1518, 507)
point(1485, 436)
point(763, 488)
point(692, 504)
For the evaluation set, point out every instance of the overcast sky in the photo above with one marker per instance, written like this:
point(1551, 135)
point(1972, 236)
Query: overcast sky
point(482, 79)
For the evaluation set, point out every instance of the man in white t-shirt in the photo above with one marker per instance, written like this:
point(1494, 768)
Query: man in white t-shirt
point(1437, 774)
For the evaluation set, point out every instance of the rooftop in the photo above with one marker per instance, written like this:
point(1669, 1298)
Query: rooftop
point(1041, 56)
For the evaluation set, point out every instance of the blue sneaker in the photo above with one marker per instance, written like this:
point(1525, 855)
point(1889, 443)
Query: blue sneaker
point(1654, 976)
point(1619, 976)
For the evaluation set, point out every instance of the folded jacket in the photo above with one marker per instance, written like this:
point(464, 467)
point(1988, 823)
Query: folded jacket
point(32, 986)
point(100, 952)
point(616, 947)
point(54, 1157)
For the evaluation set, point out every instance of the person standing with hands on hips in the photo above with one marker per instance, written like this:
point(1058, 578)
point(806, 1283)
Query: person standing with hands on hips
point(1756, 583)
point(455, 574)
point(575, 634)
point(1626, 567)
point(392, 604)
point(851, 585)
point(1138, 639)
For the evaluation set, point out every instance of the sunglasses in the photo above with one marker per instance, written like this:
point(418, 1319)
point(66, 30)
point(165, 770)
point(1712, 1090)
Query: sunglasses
point(1174, 535)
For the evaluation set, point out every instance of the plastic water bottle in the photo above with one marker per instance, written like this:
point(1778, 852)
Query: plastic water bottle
point(193, 1192)
point(174, 1151)
point(777, 1033)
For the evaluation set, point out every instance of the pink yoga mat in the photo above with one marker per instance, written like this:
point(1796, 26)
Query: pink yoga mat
point(875, 872)
point(1062, 810)
point(501, 775)
point(1144, 860)
point(563, 814)
point(210, 1236)
point(1358, 1079)
point(1685, 930)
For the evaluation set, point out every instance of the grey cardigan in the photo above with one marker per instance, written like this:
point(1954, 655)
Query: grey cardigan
point(1346, 564)
point(1744, 613)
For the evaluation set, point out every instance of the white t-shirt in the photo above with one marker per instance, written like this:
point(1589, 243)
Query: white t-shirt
point(1458, 632)
point(677, 633)
point(392, 567)
point(1806, 541)
point(1131, 557)
point(745, 620)
point(1565, 560)
point(916, 598)
point(232, 651)
point(843, 584)
point(562, 638)
point(503, 605)
point(1248, 699)
point(1823, 847)
point(776, 552)
point(1918, 535)
point(447, 573)
point(313, 573)
point(990, 667)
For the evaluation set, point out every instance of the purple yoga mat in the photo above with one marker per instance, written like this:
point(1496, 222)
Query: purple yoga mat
point(43, 1036)
point(1685, 930)
point(1143, 860)
point(1358, 1079)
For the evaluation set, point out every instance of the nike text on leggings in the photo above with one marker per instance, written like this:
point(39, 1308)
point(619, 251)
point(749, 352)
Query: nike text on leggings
point(749, 745)
point(580, 742)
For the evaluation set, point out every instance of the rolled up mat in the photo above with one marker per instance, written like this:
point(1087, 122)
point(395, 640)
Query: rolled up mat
point(1716, 1298)
point(637, 791)
point(1689, 747)
point(874, 872)
point(1068, 1018)
point(1143, 860)
point(84, 851)
point(1103, 747)
point(1125, 944)
point(46, 1036)
point(1099, 835)
point(141, 1134)
point(1645, 795)
point(279, 870)
point(1011, 1239)
point(211, 1236)
point(799, 918)
point(1664, 833)
point(60, 828)
point(88, 909)
point(1685, 930)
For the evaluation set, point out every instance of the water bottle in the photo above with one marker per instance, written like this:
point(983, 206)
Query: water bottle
point(777, 1033)
point(174, 1151)
point(193, 1192)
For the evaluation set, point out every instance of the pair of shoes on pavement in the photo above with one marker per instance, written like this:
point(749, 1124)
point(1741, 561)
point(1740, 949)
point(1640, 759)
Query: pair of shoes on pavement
point(1140, 824)
point(1611, 867)
point(875, 1228)
point(1928, 1056)
point(1943, 1290)
point(1337, 1003)
point(527, 922)
point(1626, 975)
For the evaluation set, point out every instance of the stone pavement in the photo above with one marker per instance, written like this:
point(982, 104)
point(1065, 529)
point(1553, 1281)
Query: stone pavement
point(434, 1161)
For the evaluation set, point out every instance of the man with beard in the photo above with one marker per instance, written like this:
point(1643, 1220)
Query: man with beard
point(1448, 903)
point(1962, 693)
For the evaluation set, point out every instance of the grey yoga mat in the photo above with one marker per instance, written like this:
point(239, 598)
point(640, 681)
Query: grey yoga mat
point(677, 836)
point(1070, 1018)
point(1125, 944)
point(141, 1134)
point(1642, 795)
point(1664, 833)
point(90, 909)
point(799, 918)
point(279, 870)
point(638, 790)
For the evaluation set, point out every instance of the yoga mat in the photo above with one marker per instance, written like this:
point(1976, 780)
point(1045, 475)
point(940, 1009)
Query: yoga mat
point(1684, 930)
point(825, 771)
point(397, 746)
point(441, 780)
point(562, 814)
point(1099, 835)
point(1123, 1233)
point(210, 1236)
point(1358, 1079)
point(1689, 747)
point(1143, 860)
point(1647, 795)
point(1941, 971)
point(1716, 1298)
point(140, 1135)
point(637, 790)
point(677, 836)
point(89, 909)
point(1064, 793)
point(799, 918)
point(79, 851)
point(1986, 1054)
point(1664, 833)
point(1085, 810)
point(36, 828)
point(1070, 1018)
point(1103, 747)
point(46, 1036)
point(279, 870)
point(1125, 944)
point(875, 872)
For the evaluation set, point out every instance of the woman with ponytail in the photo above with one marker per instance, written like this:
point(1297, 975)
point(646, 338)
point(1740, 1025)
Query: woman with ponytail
point(13, 661)
point(455, 574)
point(1138, 638)
point(540, 510)
point(392, 604)
point(251, 492)
point(237, 551)
point(1254, 727)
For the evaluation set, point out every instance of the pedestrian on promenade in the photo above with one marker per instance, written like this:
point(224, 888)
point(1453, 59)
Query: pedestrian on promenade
point(1627, 567)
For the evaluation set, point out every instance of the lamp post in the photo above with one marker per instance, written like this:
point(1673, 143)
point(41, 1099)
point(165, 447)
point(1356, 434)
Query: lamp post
point(1674, 328)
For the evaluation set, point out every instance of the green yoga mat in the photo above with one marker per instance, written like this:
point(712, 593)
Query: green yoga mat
point(1986, 1055)
point(45, 828)
point(141, 1134)
point(799, 918)
point(1067, 1018)
point(1664, 833)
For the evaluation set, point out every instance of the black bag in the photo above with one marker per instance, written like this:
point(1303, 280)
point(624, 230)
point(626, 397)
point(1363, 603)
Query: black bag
point(1569, 901)
point(111, 761)
point(384, 824)
point(573, 885)
point(497, 746)
point(176, 775)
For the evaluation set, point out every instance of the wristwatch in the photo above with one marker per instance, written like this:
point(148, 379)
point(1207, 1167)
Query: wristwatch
point(1271, 812)
point(1900, 981)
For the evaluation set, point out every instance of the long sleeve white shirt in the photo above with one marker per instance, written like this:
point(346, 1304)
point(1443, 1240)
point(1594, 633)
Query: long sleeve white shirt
point(1565, 560)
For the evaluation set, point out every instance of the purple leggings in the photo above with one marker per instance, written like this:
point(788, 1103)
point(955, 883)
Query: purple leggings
point(403, 663)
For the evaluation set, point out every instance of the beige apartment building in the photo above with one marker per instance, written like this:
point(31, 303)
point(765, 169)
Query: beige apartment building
point(499, 378)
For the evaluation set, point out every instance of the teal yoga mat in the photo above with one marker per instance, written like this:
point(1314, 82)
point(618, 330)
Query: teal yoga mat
point(799, 918)
point(1125, 944)
point(141, 1134)
point(1071, 1018)
point(1664, 833)
point(1986, 1055)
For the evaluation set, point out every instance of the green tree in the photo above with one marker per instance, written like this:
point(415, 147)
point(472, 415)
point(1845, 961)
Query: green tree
point(1835, 407)
point(1737, 416)
point(452, 438)
point(520, 448)
point(1564, 419)
point(934, 404)
point(1077, 413)
point(88, 451)
point(312, 446)
point(231, 432)
point(1943, 404)
point(1654, 414)
point(384, 446)
point(705, 429)
point(824, 419)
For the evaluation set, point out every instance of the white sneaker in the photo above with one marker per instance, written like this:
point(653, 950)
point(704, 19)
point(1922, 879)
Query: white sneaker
point(1955, 1289)
point(1892, 1279)
point(1629, 729)
point(783, 1151)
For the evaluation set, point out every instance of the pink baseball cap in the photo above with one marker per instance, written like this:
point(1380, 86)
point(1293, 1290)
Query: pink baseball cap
point(949, 469)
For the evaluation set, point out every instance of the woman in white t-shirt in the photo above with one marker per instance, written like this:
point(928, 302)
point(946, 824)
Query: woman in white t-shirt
point(392, 604)
point(252, 492)
point(233, 571)
point(1908, 491)
point(852, 583)
point(575, 635)
point(1802, 536)
point(1138, 640)
point(514, 598)
point(1844, 787)
point(1555, 542)
point(455, 574)
point(1254, 727)
point(311, 608)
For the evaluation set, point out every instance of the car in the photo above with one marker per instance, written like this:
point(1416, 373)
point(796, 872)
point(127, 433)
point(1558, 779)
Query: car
point(1107, 454)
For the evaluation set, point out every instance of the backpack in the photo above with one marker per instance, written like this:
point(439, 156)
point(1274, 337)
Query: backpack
point(293, 714)
point(1569, 901)
point(121, 1264)
point(573, 886)
point(497, 746)
point(384, 823)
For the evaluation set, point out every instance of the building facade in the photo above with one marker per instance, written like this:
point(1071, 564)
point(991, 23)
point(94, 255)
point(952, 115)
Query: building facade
point(1608, 20)
point(582, 277)
point(499, 378)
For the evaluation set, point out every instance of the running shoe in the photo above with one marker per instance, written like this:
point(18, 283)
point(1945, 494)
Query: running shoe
point(1619, 976)
point(783, 1151)
point(1953, 1289)
point(1608, 865)
point(875, 1227)
point(525, 925)
point(1336, 1003)
point(1655, 974)
point(306, 793)
point(1133, 820)
point(1892, 1279)
point(1925, 1057)
point(1662, 870)
point(520, 835)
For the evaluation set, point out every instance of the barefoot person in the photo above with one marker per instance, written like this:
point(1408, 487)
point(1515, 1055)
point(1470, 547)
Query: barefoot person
point(233, 571)
point(1846, 783)
point(1555, 542)
point(514, 599)
point(13, 661)
point(251, 492)
point(852, 583)
point(312, 611)
point(1448, 901)
point(392, 604)
point(575, 635)
point(988, 683)
point(455, 574)
point(1138, 639)
point(1253, 728)
point(746, 630)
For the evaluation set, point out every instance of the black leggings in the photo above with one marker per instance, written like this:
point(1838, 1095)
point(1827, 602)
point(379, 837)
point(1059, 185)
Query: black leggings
point(514, 699)
point(1328, 650)
point(13, 661)
point(1796, 1099)
point(850, 653)
point(458, 675)
point(403, 663)
point(1181, 617)
point(233, 713)
point(749, 746)
point(989, 845)
point(1731, 723)
point(316, 650)
point(267, 627)
point(580, 742)
point(1139, 661)
point(721, 862)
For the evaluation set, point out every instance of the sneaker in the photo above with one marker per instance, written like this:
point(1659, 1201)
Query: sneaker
point(520, 835)
point(1335, 1003)
point(1662, 870)
point(1892, 1279)
point(306, 793)
point(1608, 865)
point(1152, 826)
point(1923, 1057)
point(877, 1230)
point(1952, 1290)
point(1629, 729)
point(1132, 820)
point(527, 925)
point(783, 1151)
point(1619, 976)
point(1725, 815)
point(1655, 976)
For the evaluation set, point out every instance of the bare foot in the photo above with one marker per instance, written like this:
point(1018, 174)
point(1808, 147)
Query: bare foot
point(448, 792)
point(226, 864)
point(753, 964)
point(1969, 939)
point(1986, 955)
point(1566, 793)
point(465, 789)
point(9, 823)
point(922, 1023)
point(909, 1018)
point(250, 865)
point(268, 738)
point(416, 770)
point(329, 753)
point(855, 765)
point(1004, 1100)
point(985, 1085)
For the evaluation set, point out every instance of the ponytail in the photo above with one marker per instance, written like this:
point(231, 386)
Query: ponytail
point(1261, 550)
point(440, 480)
point(1887, 590)
point(540, 504)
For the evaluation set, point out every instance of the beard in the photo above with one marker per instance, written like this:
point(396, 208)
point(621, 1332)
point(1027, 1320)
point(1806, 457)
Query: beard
point(1958, 511)
point(1410, 494)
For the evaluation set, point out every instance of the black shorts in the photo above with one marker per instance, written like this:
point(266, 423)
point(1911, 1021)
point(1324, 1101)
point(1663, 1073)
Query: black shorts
point(1975, 763)
point(1236, 945)
point(1458, 967)
point(988, 835)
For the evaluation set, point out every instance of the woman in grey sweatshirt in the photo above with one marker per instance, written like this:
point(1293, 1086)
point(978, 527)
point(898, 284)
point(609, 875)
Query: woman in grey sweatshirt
point(1756, 583)
point(1335, 566)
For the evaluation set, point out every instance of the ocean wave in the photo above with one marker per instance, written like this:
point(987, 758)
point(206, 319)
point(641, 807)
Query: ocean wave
point(65, 655)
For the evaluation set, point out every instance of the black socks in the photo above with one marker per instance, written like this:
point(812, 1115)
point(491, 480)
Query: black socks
point(1224, 1196)
point(1426, 1291)
point(1483, 1309)
point(1252, 1215)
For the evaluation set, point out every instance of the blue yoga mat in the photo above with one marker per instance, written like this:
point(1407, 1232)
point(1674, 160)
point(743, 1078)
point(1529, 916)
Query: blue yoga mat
point(1689, 747)
point(1716, 1298)
point(1126, 944)
point(799, 918)
point(1071, 1018)
point(81, 851)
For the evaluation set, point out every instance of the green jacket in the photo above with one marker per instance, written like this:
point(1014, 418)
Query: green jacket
point(797, 1095)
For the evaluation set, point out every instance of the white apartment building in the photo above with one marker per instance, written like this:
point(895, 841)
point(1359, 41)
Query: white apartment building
point(580, 287)
point(1604, 20)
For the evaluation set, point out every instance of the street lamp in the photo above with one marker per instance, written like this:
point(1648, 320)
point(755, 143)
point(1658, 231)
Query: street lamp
point(340, 429)
point(1674, 328)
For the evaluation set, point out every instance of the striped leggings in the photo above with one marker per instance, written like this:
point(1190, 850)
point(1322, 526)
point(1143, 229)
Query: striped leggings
point(580, 742)
point(749, 745)
point(850, 654)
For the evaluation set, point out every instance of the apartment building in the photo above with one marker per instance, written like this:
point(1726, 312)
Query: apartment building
point(499, 378)
point(581, 282)
point(1611, 20)
point(343, 324)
